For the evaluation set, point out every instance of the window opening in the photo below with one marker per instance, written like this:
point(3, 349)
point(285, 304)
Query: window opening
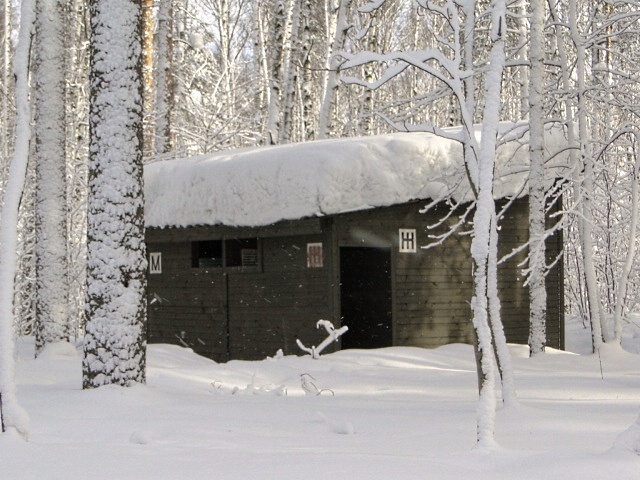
point(241, 252)
point(207, 253)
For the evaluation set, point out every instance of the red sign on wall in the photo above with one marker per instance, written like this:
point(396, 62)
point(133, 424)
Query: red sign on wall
point(314, 255)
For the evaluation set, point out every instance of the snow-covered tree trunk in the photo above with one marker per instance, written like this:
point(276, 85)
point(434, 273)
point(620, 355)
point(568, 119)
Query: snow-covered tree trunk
point(165, 85)
point(525, 36)
point(333, 77)
point(586, 221)
point(537, 265)
point(503, 356)
point(77, 152)
point(24, 291)
point(306, 43)
point(12, 416)
point(276, 66)
point(479, 162)
point(260, 49)
point(6, 99)
point(623, 280)
point(115, 340)
point(481, 244)
point(148, 94)
point(468, 106)
point(51, 193)
point(367, 99)
point(568, 114)
point(226, 31)
point(290, 69)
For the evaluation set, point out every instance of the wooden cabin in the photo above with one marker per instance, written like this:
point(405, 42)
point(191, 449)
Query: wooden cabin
point(235, 275)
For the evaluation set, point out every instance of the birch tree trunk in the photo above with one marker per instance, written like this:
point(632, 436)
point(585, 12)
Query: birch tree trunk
point(147, 75)
point(484, 215)
point(596, 313)
point(277, 36)
point(503, 357)
point(367, 102)
point(536, 271)
point(308, 23)
point(52, 286)
point(623, 281)
point(12, 415)
point(6, 81)
point(264, 92)
point(77, 149)
point(290, 71)
point(165, 83)
point(333, 76)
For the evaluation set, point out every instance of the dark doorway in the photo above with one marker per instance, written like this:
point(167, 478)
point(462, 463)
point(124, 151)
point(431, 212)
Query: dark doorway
point(365, 297)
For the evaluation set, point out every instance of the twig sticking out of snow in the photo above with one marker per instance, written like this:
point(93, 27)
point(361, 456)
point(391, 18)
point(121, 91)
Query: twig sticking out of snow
point(334, 335)
point(309, 386)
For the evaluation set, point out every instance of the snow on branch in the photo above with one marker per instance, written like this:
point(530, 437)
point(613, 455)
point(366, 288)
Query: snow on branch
point(334, 335)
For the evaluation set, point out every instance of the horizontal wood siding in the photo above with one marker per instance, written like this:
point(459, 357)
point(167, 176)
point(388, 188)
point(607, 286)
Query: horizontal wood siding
point(514, 296)
point(187, 305)
point(251, 313)
point(268, 311)
point(432, 288)
point(555, 284)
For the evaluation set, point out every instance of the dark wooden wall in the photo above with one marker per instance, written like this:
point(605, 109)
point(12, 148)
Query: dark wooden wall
point(238, 313)
point(269, 310)
point(187, 306)
point(251, 313)
point(432, 288)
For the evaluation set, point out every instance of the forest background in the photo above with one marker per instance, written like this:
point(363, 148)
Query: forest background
point(222, 74)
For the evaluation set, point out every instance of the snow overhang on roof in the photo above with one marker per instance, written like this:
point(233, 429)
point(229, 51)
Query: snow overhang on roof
point(261, 186)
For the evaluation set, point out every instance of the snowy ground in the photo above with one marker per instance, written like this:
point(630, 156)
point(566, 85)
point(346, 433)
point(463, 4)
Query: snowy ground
point(397, 413)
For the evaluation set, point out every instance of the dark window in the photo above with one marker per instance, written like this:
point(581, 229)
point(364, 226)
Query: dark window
point(206, 253)
point(241, 252)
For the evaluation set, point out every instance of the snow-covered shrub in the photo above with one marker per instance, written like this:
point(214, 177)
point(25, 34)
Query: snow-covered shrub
point(334, 335)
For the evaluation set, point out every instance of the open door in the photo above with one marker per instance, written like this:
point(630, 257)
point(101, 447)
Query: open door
point(365, 297)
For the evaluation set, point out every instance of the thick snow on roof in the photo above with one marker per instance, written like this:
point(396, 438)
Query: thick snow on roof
point(260, 186)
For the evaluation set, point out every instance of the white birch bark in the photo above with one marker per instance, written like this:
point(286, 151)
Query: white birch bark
point(12, 415)
point(484, 215)
point(479, 162)
point(537, 262)
point(277, 36)
point(148, 71)
point(596, 313)
point(51, 193)
point(6, 76)
point(525, 36)
point(327, 108)
point(570, 120)
point(367, 102)
point(77, 144)
point(290, 70)
point(306, 42)
point(503, 356)
point(623, 280)
point(264, 92)
point(165, 84)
